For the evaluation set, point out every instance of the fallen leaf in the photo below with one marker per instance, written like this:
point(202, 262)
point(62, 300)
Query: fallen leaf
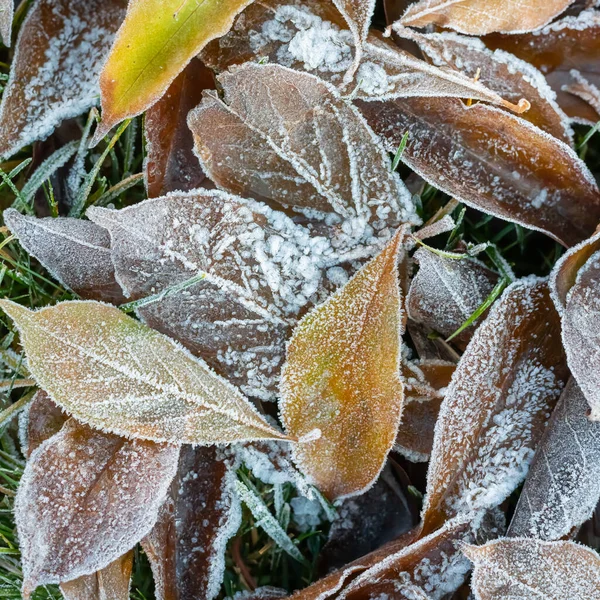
point(6, 19)
point(75, 252)
point(340, 385)
point(43, 420)
point(259, 271)
point(585, 90)
point(187, 545)
point(509, 76)
point(82, 504)
point(571, 43)
point(493, 161)
point(110, 583)
point(425, 388)
point(478, 17)
point(170, 162)
point(122, 377)
point(60, 50)
point(521, 569)
point(312, 36)
point(496, 406)
point(157, 39)
point(313, 160)
point(445, 292)
point(561, 490)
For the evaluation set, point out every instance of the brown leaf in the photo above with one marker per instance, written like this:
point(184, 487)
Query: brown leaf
point(561, 490)
point(522, 569)
point(340, 384)
point(44, 419)
point(585, 90)
point(75, 252)
point(186, 547)
point(61, 47)
point(496, 407)
point(6, 19)
point(425, 387)
point(493, 161)
point(287, 31)
point(85, 499)
point(509, 76)
point(111, 583)
point(571, 43)
point(445, 292)
point(261, 270)
point(314, 160)
point(170, 162)
point(478, 17)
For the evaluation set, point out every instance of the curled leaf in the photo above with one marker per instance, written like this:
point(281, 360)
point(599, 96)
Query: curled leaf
point(75, 252)
point(314, 160)
point(521, 568)
point(61, 47)
point(120, 376)
point(493, 161)
point(340, 387)
point(585, 90)
point(85, 499)
point(478, 17)
point(496, 407)
point(170, 162)
point(153, 45)
point(561, 490)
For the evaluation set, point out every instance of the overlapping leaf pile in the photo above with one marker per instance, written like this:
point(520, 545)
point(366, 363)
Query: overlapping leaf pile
point(261, 336)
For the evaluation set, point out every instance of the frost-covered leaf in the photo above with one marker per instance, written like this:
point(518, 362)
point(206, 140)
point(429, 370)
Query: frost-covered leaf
point(425, 385)
point(493, 161)
point(6, 19)
point(585, 90)
point(340, 384)
point(445, 292)
point(43, 419)
point(85, 499)
point(562, 487)
point(478, 17)
point(571, 43)
point(120, 376)
point(581, 330)
point(262, 593)
point(54, 75)
point(260, 270)
point(75, 252)
point(110, 583)
point(509, 76)
point(321, 156)
point(496, 407)
point(522, 569)
point(153, 45)
point(170, 162)
point(311, 36)
point(186, 547)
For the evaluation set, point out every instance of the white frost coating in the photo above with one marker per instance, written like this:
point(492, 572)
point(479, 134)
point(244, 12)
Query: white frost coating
point(307, 514)
point(73, 37)
point(584, 89)
point(497, 404)
point(561, 489)
point(85, 499)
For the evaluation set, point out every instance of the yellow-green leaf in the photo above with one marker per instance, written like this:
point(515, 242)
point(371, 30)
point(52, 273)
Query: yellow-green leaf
point(154, 44)
point(341, 389)
point(118, 375)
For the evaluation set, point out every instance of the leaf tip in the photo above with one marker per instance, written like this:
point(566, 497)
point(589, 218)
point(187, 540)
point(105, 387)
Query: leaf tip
point(13, 310)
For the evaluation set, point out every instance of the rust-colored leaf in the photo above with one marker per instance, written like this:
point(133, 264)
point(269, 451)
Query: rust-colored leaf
point(522, 569)
point(61, 47)
point(509, 76)
point(186, 547)
point(493, 161)
point(571, 43)
point(340, 383)
point(478, 17)
point(496, 407)
point(170, 162)
point(85, 499)
point(110, 583)
point(445, 292)
point(585, 90)
point(75, 252)
point(314, 160)
point(561, 490)
point(43, 419)
point(6, 19)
